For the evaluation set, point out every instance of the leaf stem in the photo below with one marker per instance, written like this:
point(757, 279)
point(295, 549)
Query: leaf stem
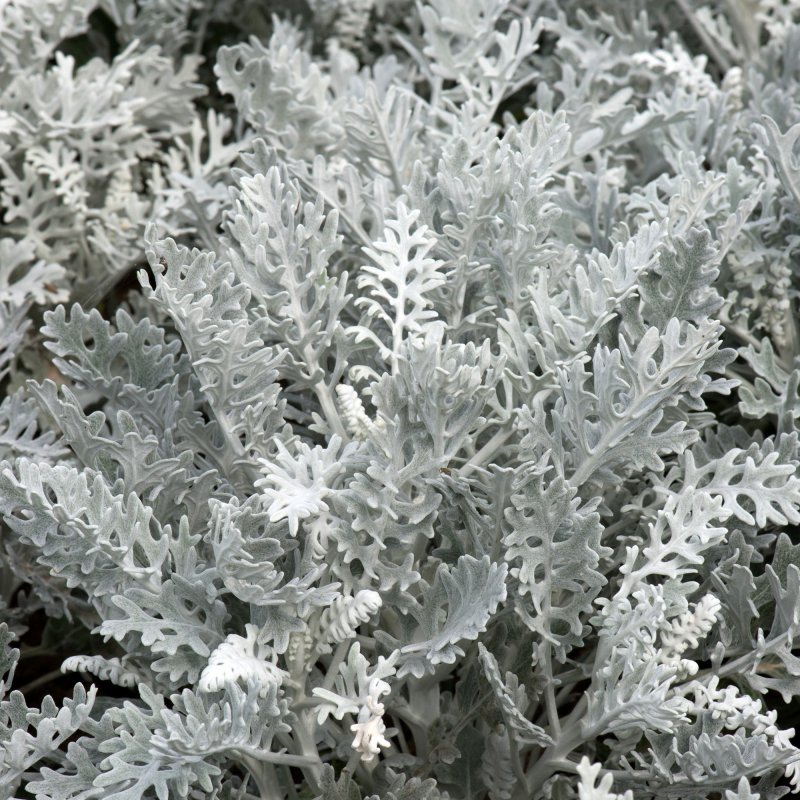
point(323, 393)
point(333, 667)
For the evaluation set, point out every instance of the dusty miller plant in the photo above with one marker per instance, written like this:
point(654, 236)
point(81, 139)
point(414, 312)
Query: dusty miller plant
point(449, 444)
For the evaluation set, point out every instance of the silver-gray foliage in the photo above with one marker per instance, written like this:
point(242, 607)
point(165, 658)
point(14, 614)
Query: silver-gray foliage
point(449, 444)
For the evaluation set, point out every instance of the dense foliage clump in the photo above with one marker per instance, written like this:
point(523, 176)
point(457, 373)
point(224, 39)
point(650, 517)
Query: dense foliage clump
point(399, 400)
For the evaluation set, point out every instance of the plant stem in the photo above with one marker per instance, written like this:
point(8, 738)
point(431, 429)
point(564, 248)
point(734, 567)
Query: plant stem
point(486, 452)
point(516, 762)
point(41, 680)
point(323, 393)
point(264, 777)
point(744, 335)
point(352, 763)
point(723, 62)
point(308, 747)
point(552, 709)
point(552, 758)
point(336, 660)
